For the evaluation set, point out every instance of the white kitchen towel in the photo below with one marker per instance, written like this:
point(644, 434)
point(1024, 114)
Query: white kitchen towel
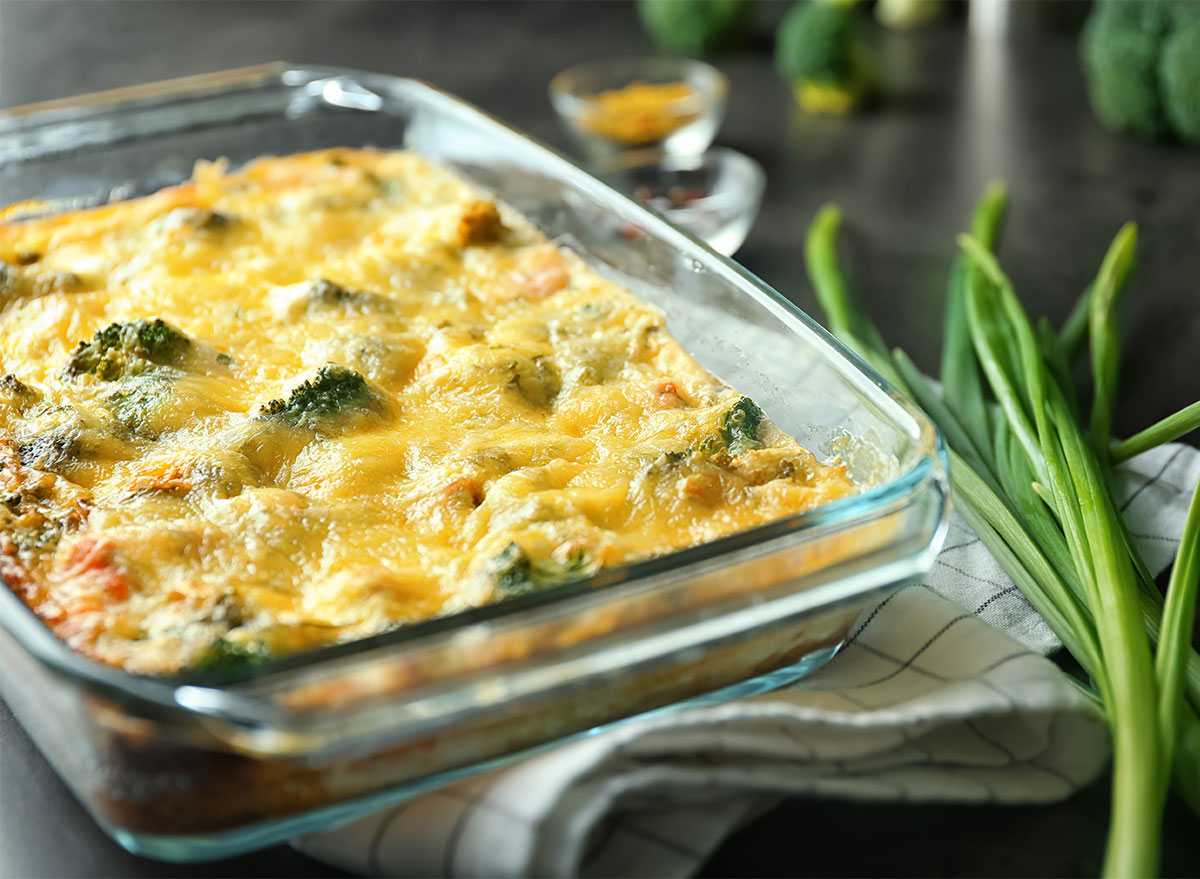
point(928, 700)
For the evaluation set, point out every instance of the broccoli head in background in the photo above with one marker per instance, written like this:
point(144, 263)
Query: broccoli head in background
point(1142, 66)
point(1179, 73)
point(694, 27)
point(820, 50)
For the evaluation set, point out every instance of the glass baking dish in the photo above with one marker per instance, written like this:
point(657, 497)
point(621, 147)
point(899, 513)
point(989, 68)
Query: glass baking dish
point(199, 767)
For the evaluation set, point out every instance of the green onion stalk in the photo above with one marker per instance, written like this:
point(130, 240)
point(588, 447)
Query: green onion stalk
point(1032, 476)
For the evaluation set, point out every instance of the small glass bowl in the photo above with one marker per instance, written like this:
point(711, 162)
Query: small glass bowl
point(671, 104)
point(715, 196)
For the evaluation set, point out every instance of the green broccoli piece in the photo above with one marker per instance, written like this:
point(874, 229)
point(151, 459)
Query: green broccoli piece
point(223, 655)
point(1179, 78)
point(737, 432)
point(695, 28)
point(17, 392)
point(52, 452)
point(333, 392)
point(122, 349)
point(1137, 82)
point(137, 402)
point(739, 426)
point(514, 573)
point(821, 51)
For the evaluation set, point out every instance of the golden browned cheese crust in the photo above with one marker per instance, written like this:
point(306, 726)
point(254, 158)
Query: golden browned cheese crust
point(335, 393)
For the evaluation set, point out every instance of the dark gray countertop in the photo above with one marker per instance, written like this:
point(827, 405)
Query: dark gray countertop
point(958, 114)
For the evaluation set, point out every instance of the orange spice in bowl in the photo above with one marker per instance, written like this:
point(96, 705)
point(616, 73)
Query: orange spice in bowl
point(641, 112)
point(615, 105)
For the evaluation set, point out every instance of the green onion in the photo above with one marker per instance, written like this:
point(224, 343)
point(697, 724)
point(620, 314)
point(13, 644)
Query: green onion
point(1106, 344)
point(1034, 481)
point(996, 353)
point(961, 382)
point(1168, 430)
point(1185, 780)
point(844, 320)
point(1137, 793)
point(1178, 620)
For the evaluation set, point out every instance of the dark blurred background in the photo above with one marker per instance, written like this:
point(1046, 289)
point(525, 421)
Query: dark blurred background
point(956, 111)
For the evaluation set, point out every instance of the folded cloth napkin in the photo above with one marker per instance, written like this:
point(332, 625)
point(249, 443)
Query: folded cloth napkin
point(928, 700)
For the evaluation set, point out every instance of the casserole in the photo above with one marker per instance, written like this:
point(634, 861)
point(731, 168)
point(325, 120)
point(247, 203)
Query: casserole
point(334, 393)
point(198, 766)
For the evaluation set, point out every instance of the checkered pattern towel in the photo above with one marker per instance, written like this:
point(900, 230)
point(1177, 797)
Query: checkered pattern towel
point(926, 701)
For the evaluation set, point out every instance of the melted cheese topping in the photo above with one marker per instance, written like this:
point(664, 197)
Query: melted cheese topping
point(513, 419)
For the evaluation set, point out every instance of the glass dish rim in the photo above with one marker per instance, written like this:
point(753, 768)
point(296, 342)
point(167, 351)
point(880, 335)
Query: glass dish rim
point(42, 644)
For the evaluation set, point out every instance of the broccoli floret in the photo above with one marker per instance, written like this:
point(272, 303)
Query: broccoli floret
point(297, 300)
point(333, 392)
point(1120, 47)
point(1179, 76)
point(50, 452)
point(739, 426)
point(133, 405)
point(1137, 82)
point(223, 655)
point(535, 379)
point(694, 27)
point(17, 392)
point(60, 438)
point(122, 349)
point(820, 50)
point(514, 573)
point(737, 432)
